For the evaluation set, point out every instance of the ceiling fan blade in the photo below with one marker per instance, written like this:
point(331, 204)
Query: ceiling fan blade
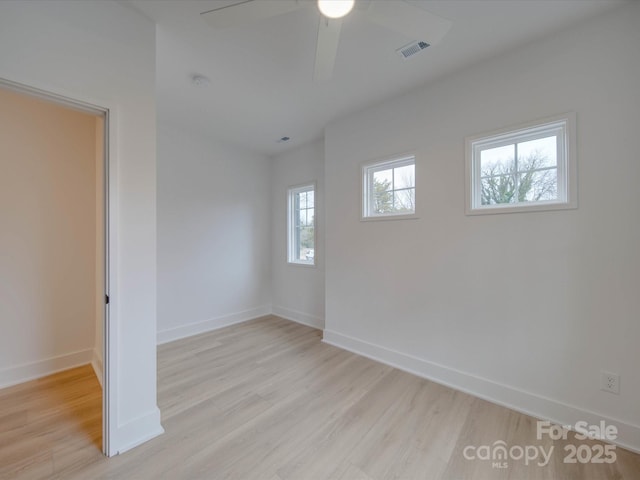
point(248, 12)
point(414, 22)
point(326, 48)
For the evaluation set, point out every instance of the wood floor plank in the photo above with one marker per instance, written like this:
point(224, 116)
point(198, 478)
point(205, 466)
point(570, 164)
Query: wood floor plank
point(413, 439)
point(267, 399)
point(50, 414)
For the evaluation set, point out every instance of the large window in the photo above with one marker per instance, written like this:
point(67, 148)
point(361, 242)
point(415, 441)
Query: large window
point(526, 168)
point(301, 225)
point(389, 188)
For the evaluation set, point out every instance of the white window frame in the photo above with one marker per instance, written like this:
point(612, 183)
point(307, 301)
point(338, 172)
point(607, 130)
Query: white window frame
point(366, 174)
point(564, 126)
point(291, 221)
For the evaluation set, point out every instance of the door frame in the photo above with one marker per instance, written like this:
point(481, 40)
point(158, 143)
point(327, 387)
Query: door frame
point(110, 334)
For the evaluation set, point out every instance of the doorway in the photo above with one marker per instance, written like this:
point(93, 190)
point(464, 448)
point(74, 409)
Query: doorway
point(54, 252)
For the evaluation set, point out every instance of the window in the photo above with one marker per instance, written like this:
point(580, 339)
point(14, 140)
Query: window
point(389, 188)
point(301, 225)
point(527, 168)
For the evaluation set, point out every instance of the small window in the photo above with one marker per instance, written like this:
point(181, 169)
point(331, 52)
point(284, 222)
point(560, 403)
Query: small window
point(301, 225)
point(525, 169)
point(389, 188)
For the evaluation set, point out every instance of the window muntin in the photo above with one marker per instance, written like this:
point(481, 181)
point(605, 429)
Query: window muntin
point(301, 225)
point(389, 188)
point(523, 169)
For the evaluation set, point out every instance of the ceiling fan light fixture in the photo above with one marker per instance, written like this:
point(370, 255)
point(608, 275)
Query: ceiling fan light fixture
point(335, 8)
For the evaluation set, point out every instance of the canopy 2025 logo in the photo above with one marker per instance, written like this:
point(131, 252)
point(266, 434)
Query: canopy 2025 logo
point(500, 454)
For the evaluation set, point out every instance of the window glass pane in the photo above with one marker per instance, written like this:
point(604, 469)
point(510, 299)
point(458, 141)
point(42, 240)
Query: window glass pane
point(404, 177)
point(307, 239)
point(302, 196)
point(300, 225)
point(389, 188)
point(538, 153)
point(541, 171)
point(383, 180)
point(404, 200)
point(497, 161)
point(498, 189)
point(383, 202)
point(538, 186)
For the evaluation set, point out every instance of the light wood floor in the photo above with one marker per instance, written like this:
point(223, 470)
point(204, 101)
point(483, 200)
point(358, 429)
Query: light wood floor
point(267, 400)
point(50, 424)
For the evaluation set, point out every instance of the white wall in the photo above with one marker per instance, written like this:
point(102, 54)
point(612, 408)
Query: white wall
point(213, 234)
point(104, 53)
point(47, 240)
point(297, 291)
point(526, 308)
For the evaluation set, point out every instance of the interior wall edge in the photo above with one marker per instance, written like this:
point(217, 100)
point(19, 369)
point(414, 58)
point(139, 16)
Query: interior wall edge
point(299, 317)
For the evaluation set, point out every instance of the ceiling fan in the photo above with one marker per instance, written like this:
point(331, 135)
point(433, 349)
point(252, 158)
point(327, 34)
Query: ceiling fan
point(397, 15)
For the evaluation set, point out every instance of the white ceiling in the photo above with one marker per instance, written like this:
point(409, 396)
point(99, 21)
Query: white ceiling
point(261, 76)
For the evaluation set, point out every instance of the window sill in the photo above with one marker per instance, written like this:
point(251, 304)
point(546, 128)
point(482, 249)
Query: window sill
point(380, 218)
point(540, 207)
point(300, 264)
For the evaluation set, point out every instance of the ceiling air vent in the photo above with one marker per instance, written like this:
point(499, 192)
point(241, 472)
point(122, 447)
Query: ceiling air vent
point(411, 49)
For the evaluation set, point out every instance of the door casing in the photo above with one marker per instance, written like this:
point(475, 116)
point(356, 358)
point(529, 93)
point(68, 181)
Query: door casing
point(109, 346)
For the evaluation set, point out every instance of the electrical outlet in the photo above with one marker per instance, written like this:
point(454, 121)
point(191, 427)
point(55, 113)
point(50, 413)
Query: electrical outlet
point(610, 382)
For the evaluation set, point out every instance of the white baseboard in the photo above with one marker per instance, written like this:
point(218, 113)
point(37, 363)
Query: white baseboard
point(299, 317)
point(521, 401)
point(96, 363)
point(183, 331)
point(30, 371)
point(138, 431)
